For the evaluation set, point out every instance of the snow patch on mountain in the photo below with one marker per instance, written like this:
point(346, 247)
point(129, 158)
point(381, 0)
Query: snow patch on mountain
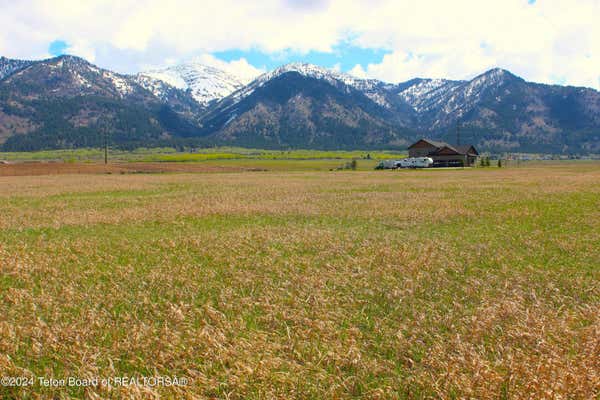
point(370, 87)
point(445, 100)
point(317, 72)
point(83, 73)
point(204, 82)
point(81, 80)
point(119, 82)
point(8, 66)
point(427, 94)
point(168, 77)
point(451, 97)
point(157, 87)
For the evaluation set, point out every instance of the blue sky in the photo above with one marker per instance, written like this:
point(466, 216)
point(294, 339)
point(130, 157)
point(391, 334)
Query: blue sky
point(392, 40)
point(344, 56)
point(58, 47)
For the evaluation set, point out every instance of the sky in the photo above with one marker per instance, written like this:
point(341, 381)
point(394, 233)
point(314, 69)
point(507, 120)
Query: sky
point(549, 41)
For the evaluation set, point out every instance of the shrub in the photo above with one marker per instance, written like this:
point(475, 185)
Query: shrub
point(349, 165)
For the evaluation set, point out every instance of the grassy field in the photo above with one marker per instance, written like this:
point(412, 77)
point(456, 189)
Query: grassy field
point(217, 165)
point(168, 154)
point(475, 283)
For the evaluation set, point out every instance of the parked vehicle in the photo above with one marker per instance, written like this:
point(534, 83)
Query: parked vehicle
point(412, 162)
point(387, 164)
point(415, 162)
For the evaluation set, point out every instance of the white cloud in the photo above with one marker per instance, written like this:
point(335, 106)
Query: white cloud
point(240, 68)
point(358, 71)
point(546, 41)
point(463, 38)
point(82, 49)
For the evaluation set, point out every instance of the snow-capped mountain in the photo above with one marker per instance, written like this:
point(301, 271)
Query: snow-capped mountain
point(306, 105)
point(425, 94)
point(8, 66)
point(204, 82)
point(496, 109)
point(308, 70)
point(439, 102)
point(499, 110)
point(372, 88)
point(70, 75)
point(452, 97)
point(66, 101)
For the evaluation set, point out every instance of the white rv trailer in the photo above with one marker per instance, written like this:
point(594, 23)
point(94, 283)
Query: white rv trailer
point(412, 162)
point(415, 162)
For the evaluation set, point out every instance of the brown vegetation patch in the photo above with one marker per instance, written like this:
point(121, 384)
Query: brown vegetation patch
point(60, 168)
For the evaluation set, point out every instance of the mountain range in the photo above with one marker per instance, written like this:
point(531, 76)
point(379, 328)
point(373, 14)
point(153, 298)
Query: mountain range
point(204, 83)
point(67, 102)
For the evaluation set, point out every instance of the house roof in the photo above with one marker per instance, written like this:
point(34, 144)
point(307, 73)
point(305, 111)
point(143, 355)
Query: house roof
point(459, 149)
point(446, 150)
point(467, 149)
point(431, 142)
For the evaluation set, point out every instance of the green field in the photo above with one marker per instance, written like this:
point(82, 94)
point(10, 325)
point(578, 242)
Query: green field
point(299, 283)
point(168, 154)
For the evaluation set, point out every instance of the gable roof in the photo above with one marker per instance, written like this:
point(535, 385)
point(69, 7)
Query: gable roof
point(460, 149)
point(429, 141)
point(467, 149)
point(445, 150)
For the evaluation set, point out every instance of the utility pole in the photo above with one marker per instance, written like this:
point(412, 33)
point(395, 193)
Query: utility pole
point(105, 145)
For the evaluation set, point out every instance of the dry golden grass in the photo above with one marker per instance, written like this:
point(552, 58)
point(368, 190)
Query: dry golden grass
point(406, 284)
point(62, 168)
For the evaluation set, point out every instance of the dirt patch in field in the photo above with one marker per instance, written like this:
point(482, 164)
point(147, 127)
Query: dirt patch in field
point(59, 168)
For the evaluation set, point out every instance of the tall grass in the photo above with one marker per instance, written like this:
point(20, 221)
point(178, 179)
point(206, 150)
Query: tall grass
point(479, 283)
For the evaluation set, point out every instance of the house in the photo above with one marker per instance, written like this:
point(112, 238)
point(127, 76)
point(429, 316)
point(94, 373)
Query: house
point(444, 154)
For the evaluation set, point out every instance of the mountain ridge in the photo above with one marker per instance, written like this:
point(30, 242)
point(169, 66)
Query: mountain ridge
point(289, 108)
point(205, 83)
point(294, 105)
point(67, 102)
